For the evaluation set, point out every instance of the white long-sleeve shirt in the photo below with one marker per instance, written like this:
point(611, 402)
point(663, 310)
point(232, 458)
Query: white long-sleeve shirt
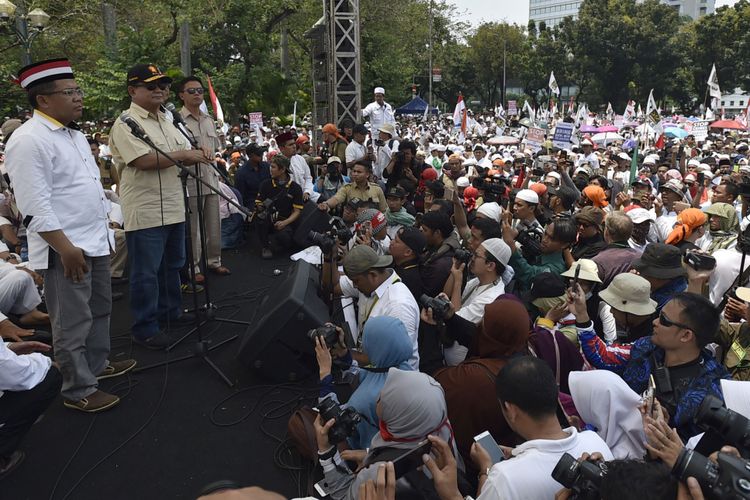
point(379, 115)
point(56, 183)
point(21, 373)
point(300, 173)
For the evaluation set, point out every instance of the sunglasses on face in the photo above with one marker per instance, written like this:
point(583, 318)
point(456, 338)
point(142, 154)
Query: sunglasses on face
point(194, 91)
point(665, 321)
point(152, 86)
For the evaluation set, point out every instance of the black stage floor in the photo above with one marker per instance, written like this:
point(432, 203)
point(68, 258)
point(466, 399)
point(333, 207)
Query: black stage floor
point(160, 442)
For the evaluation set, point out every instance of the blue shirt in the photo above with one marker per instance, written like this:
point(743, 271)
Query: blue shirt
point(247, 181)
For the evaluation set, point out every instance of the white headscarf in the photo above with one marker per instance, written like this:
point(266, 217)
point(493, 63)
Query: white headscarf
point(604, 400)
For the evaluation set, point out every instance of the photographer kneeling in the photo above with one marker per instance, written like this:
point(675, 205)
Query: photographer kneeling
point(277, 208)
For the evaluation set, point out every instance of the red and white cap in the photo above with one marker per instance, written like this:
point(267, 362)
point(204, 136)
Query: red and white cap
point(44, 71)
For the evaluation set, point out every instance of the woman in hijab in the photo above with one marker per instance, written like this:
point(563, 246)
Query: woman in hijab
point(723, 226)
point(689, 227)
point(604, 400)
point(387, 345)
point(470, 386)
point(411, 407)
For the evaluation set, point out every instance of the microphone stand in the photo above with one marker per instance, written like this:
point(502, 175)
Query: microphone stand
point(208, 307)
point(202, 349)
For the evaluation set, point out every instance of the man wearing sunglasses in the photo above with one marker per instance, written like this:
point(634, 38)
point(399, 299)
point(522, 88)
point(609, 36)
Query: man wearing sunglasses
point(153, 206)
point(684, 371)
point(202, 128)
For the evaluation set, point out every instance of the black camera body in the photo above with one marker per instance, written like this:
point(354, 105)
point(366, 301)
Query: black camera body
point(439, 306)
point(730, 425)
point(328, 333)
point(699, 261)
point(583, 478)
point(729, 479)
point(462, 255)
point(338, 232)
point(346, 419)
point(264, 210)
point(531, 245)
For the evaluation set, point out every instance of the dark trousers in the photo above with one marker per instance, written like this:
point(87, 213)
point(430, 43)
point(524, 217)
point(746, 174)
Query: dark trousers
point(155, 256)
point(270, 237)
point(20, 409)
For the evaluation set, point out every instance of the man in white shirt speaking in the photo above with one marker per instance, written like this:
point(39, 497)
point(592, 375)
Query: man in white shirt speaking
point(58, 189)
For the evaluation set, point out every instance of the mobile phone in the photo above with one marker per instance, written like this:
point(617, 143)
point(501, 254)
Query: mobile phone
point(701, 178)
point(411, 459)
point(486, 441)
point(574, 285)
point(449, 193)
point(648, 395)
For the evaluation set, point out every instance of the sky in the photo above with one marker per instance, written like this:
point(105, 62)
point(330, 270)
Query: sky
point(511, 11)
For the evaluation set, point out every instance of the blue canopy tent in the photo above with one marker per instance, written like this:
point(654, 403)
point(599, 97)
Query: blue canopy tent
point(415, 107)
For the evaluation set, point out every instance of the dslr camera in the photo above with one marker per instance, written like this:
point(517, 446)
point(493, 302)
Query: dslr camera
point(462, 255)
point(338, 231)
point(700, 261)
point(264, 210)
point(583, 478)
point(439, 306)
point(728, 479)
point(346, 419)
point(730, 425)
point(326, 332)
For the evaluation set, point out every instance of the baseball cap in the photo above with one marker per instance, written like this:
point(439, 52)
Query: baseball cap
point(413, 238)
point(640, 214)
point(146, 73)
point(396, 192)
point(362, 258)
point(333, 159)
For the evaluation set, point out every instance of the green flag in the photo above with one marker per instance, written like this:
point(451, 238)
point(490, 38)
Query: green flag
point(634, 163)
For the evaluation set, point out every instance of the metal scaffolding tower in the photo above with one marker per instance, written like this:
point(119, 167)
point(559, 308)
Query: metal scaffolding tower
point(343, 59)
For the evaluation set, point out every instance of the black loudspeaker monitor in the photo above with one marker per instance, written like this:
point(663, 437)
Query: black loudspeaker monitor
point(311, 219)
point(276, 344)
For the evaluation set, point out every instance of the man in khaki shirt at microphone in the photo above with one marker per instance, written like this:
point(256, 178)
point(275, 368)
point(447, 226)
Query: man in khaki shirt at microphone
point(201, 126)
point(152, 206)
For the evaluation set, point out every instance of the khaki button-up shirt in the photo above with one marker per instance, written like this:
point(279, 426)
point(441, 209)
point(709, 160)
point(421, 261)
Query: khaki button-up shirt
point(204, 131)
point(149, 198)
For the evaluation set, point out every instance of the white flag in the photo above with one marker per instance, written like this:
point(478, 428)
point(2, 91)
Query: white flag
point(581, 115)
point(651, 104)
point(500, 111)
point(553, 84)
point(610, 111)
point(528, 110)
point(629, 113)
point(713, 84)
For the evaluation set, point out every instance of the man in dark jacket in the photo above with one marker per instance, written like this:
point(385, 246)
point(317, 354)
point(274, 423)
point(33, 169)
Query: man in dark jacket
point(248, 178)
point(441, 244)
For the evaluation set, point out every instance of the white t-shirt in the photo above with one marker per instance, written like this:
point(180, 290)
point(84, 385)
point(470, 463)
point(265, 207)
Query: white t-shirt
point(354, 151)
point(528, 474)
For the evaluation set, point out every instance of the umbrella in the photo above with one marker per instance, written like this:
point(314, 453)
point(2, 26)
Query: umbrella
point(502, 140)
point(731, 124)
point(607, 128)
point(607, 137)
point(587, 128)
point(676, 132)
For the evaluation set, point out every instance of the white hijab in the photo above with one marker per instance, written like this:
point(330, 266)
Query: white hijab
point(604, 400)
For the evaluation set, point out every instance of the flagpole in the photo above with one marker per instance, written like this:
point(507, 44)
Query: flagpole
point(429, 103)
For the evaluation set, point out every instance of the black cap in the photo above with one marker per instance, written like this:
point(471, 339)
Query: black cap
point(413, 238)
point(146, 73)
point(255, 149)
point(546, 285)
point(396, 192)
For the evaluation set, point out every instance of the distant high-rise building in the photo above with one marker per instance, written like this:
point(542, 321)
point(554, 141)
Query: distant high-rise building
point(552, 12)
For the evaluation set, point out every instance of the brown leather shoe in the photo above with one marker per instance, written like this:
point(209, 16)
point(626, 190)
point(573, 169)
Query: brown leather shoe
point(117, 368)
point(96, 402)
point(221, 270)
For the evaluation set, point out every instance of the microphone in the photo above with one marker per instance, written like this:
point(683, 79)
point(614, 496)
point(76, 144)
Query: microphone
point(135, 127)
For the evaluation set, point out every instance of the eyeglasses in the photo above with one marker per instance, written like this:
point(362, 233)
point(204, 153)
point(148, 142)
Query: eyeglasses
point(76, 92)
point(197, 90)
point(152, 86)
point(665, 321)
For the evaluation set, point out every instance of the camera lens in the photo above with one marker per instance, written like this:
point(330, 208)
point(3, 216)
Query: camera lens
point(566, 471)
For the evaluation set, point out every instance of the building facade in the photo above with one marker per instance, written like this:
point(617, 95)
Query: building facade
point(552, 12)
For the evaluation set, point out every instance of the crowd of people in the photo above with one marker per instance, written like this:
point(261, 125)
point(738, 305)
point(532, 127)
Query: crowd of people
point(546, 295)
